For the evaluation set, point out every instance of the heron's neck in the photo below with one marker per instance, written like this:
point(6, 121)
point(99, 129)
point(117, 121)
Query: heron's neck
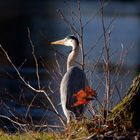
point(72, 56)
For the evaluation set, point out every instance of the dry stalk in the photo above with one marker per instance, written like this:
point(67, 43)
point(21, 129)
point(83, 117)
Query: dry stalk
point(106, 58)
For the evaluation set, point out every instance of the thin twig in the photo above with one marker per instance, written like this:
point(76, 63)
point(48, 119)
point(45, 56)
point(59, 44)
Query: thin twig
point(15, 122)
point(33, 53)
point(58, 65)
point(99, 38)
point(22, 64)
point(81, 34)
point(28, 109)
point(106, 59)
point(72, 28)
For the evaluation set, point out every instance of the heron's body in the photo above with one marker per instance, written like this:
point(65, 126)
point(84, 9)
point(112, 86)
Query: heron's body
point(73, 81)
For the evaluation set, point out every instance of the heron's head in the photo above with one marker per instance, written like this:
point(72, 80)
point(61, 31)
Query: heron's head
point(68, 41)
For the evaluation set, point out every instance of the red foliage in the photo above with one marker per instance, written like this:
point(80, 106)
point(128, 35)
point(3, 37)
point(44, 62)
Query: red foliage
point(90, 92)
point(84, 96)
point(81, 98)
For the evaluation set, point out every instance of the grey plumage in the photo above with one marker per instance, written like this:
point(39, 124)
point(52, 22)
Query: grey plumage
point(72, 82)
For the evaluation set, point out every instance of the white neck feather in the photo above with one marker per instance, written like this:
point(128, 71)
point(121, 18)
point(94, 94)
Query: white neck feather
point(72, 57)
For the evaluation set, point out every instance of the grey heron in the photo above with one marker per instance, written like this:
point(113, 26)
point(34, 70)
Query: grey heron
point(73, 81)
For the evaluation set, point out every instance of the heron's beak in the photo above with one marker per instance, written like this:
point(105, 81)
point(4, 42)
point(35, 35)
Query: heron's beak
point(59, 42)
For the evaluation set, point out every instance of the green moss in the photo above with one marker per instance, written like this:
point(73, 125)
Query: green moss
point(123, 113)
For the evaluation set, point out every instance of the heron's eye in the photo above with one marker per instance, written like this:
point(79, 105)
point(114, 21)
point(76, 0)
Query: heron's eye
point(69, 40)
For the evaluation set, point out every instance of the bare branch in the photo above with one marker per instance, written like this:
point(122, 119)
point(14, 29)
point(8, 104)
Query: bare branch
point(22, 64)
point(28, 85)
point(81, 33)
point(106, 60)
point(72, 28)
point(99, 38)
point(15, 122)
point(30, 106)
point(33, 53)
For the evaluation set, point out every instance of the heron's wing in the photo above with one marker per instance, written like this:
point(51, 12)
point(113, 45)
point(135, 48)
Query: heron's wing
point(73, 81)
